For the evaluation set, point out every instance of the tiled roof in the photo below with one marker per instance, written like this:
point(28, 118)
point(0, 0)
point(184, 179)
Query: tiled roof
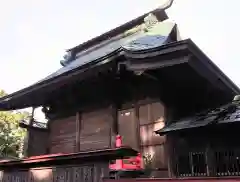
point(102, 53)
point(226, 114)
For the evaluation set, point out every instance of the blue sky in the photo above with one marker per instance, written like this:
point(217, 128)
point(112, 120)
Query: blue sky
point(35, 34)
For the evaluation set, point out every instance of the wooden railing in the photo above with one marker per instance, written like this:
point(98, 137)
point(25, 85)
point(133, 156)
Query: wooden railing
point(229, 179)
point(209, 163)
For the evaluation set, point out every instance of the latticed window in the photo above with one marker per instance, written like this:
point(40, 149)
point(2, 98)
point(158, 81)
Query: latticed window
point(208, 162)
point(192, 164)
point(227, 162)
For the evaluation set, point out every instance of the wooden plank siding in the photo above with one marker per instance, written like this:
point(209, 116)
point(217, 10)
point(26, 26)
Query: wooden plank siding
point(95, 132)
point(137, 123)
point(37, 142)
point(128, 128)
point(85, 131)
point(96, 129)
point(63, 135)
point(151, 118)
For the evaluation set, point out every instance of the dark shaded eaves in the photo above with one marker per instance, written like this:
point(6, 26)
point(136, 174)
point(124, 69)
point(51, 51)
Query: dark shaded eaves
point(164, 49)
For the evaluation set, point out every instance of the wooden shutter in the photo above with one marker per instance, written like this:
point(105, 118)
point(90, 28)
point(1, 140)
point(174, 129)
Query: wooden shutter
point(95, 130)
point(128, 128)
point(63, 135)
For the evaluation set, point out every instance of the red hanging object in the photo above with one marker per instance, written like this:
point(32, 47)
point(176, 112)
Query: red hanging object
point(119, 162)
point(133, 163)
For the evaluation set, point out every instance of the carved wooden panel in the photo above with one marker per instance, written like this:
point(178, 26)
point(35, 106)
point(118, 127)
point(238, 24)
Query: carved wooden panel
point(63, 135)
point(6, 177)
point(100, 171)
point(15, 176)
point(61, 174)
point(85, 173)
point(41, 175)
point(77, 174)
point(88, 173)
point(95, 130)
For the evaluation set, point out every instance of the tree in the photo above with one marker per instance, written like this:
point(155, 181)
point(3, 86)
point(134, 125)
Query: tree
point(11, 135)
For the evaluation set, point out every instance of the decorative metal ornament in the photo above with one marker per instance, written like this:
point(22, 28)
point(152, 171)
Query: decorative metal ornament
point(146, 42)
point(150, 21)
point(66, 59)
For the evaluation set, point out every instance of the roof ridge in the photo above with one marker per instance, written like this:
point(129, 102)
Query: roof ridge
point(159, 13)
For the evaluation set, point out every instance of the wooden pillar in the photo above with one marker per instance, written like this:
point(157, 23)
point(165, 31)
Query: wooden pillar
point(114, 125)
point(29, 136)
point(78, 128)
point(137, 123)
point(169, 150)
point(32, 117)
point(115, 118)
point(113, 93)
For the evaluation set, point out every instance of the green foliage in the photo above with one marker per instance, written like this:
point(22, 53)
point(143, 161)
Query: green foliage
point(11, 135)
point(2, 93)
point(148, 161)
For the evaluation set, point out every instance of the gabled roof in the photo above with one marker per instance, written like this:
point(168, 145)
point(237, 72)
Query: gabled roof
point(93, 57)
point(136, 44)
point(33, 95)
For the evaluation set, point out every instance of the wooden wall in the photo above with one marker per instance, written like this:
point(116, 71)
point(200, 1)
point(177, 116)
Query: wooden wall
point(85, 173)
point(95, 129)
point(37, 141)
point(137, 124)
point(63, 135)
point(86, 131)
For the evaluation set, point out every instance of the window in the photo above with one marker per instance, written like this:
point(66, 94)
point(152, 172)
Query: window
point(191, 164)
point(227, 162)
point(207, 161)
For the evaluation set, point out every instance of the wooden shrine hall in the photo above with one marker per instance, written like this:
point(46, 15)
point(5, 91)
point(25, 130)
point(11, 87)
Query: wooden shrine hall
point(131, 81)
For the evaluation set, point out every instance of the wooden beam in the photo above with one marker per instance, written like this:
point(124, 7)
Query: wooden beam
point(114, 125)
point(32, 117)
point(137, 123)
